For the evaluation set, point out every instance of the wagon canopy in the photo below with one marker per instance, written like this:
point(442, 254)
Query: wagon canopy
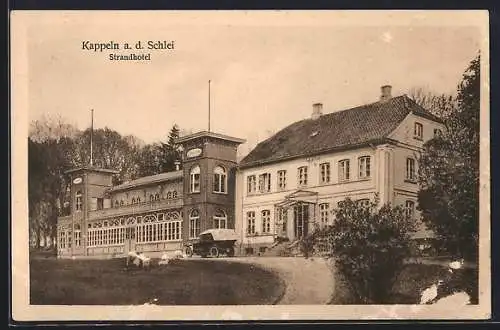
point(219, 234)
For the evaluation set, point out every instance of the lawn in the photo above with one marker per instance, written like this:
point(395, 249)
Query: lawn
point(411, 281)
point(188, 282)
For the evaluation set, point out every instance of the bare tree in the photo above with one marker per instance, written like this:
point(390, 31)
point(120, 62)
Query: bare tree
point(441, 105)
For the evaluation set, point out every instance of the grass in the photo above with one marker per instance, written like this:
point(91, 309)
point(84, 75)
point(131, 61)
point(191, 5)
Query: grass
point(411, 281)
point(188, 282)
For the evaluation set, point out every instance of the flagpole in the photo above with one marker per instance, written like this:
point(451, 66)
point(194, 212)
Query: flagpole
point(209, 105)
point(91, 136)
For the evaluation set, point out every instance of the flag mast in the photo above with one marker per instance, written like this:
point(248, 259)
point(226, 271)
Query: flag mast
point(209, 105)
point(91, 136)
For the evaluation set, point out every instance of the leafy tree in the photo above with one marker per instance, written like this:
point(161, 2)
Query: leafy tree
point(449, 172)
point(369, 244)
point(149, 160)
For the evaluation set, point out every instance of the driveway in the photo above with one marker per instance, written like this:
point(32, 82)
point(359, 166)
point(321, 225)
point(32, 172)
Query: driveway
point(308, 281)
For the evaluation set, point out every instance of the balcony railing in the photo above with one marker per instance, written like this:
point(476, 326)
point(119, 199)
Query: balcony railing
point(136, 208)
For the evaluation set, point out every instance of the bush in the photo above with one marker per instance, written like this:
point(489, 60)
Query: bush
point(369, 245)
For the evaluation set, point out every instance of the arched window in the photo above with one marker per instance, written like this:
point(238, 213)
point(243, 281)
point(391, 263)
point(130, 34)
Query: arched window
point(78, 200)
point(220, 180)
point(133, 200)
point(169, 195)
point(220, 219)
point(194, 179)
point(121, 202)
point(117, 204)
point(194, 224)
point(138, 200)
point(157, 197)
point(151, 198)
point(174, 194)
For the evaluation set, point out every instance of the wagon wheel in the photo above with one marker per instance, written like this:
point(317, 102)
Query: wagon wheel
point(230, 252)
point(189, 251)
point(214, 252)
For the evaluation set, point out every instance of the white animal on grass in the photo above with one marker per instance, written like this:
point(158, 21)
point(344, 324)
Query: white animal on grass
point(430, 293)
point(164, 260)
point(178, 254)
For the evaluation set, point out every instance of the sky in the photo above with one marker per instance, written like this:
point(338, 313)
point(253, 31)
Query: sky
point(266, 69)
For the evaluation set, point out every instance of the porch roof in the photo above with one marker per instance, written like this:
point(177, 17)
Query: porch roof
point(296, 198)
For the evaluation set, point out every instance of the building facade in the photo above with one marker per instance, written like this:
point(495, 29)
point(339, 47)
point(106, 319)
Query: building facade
point(290, 182)
point(152, 214)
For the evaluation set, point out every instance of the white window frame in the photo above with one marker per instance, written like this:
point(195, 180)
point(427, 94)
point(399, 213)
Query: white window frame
point(281, 174)
point(194, 223)
point(324, 213)
point(265, 182)
point(78, 201)
point(344, 170)
point(302, 179)
point(220, 219)
point(251, 223)
point(411, 167)
point(325, 173)
point(220, 180)
point(364, 167)
point(410, 208)
point(195, 179)
point(418, 131)
point(266, 221)
point(251, 184)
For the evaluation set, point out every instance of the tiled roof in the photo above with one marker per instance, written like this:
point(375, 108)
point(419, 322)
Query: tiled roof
point(342, 129)
point(167, 176)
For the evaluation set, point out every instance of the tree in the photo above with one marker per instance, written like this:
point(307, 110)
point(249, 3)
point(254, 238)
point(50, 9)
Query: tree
point(170, 150)
point(441, 105)
point(369, 244)
point(449, 172)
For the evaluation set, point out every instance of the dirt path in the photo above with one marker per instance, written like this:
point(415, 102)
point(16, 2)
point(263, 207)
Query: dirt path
point(308, 281)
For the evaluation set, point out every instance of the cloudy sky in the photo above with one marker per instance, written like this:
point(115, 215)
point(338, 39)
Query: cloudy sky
point(267, 69)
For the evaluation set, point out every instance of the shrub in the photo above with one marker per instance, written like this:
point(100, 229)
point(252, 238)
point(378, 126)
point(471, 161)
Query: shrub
point(369, 245)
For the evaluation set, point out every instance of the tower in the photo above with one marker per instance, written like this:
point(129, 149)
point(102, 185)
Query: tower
point(87, 194)
point(209, 165)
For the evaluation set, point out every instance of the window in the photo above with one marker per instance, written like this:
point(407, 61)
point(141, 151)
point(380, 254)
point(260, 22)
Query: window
point(62, 240)
point(151, 198)
point(302, 175)
point(419, 131)
point(121, 202)
point(78, 236)
point(364, 167)
point(410, 169)
point(169, 195)
point(324, 172)
point(266, 221)
point(158, 229)
point(194, 179)
point(410, 208)
point(438, 133)
point(194, 224)
point(220, 180)
point(174, 194)
point(282, 180)
point(117, 204)
point(251, 222)
point(100, 203)
point(138, 200)
point(157, 197)
point(133, 200)
point(344, 170)
point(365, 202)
point(282, 218)
point(324, 213)
point(265, 182)
point(251, 184)
point(220, 219)
point(78, 200)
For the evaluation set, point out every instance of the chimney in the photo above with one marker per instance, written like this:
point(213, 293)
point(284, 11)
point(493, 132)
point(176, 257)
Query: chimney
point(317, 111)
point(385, 92)
point(177, 164)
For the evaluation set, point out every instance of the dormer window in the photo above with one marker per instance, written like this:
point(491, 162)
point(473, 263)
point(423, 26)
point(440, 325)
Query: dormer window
point(418, 131)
